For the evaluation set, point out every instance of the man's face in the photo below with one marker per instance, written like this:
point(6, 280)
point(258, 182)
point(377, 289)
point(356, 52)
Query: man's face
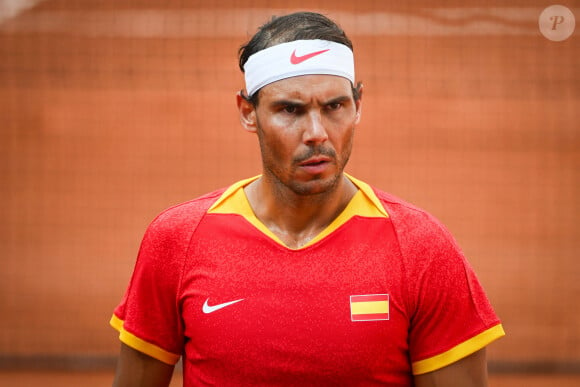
point(305, 127)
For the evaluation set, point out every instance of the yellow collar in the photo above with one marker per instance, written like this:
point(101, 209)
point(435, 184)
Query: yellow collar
point(364, 203)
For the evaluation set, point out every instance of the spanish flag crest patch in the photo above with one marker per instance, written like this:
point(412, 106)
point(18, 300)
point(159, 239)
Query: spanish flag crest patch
point(369, 307)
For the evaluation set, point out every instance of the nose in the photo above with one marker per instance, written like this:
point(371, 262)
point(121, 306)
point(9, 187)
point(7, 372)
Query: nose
point(314, 130)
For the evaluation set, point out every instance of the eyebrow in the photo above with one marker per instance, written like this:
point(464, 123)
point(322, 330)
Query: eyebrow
point(342, 98)
point(286, 102)
point(297, 103)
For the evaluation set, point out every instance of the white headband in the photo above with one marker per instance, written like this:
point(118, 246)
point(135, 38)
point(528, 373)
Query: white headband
point(300, 57)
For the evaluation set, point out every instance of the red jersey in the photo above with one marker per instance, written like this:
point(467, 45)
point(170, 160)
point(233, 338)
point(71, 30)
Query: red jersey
point(381, 294)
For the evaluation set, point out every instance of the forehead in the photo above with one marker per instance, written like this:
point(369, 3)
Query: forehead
point(308, 87)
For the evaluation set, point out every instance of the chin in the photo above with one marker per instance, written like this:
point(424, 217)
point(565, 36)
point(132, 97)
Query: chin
point(315, 186)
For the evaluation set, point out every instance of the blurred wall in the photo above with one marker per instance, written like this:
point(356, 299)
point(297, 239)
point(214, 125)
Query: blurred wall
point(111, 111)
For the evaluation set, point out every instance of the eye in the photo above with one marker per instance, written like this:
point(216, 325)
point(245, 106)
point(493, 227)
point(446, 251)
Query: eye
point(334, 106)
point(290, 109)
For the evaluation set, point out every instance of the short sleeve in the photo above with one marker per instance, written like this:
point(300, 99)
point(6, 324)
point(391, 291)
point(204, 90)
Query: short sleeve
point(148, 317)
point(451, 316)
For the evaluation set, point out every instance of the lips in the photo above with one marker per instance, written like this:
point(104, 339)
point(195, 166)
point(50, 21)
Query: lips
point(315, 165)
point(314, 161)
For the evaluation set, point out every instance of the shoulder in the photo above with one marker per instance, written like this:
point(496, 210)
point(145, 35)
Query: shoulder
point(419, 233)
point(185, 214)
point(409, 222)
point(174, 227)
point(407, 216)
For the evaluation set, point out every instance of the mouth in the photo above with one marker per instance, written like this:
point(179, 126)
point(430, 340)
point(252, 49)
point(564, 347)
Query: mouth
point(314, 161)
point(315, 165)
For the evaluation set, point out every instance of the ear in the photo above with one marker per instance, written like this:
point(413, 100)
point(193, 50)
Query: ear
point(358, 103)
point(247, 113)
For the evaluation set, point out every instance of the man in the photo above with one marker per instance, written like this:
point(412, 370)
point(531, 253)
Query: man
point(303, 275)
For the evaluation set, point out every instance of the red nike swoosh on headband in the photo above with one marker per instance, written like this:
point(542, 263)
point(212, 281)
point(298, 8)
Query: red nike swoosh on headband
point(299, 59)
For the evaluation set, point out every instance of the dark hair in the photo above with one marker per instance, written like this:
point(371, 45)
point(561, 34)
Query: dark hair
point(287, 28)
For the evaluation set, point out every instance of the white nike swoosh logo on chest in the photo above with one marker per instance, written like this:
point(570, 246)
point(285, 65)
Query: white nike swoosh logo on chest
point(210, 309)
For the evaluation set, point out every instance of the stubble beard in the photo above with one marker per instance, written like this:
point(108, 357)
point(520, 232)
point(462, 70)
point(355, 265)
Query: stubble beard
point(316, 188)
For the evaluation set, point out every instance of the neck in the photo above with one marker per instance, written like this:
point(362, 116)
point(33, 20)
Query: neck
point(296, 218)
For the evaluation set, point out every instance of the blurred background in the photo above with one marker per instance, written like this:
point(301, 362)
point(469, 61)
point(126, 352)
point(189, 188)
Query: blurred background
point(113, 110)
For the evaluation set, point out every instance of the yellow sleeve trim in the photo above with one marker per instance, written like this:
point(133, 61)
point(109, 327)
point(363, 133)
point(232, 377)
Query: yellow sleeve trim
point(459, 351)
point(141, 345)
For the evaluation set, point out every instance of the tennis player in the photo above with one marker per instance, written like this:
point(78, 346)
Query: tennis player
point(302, 275)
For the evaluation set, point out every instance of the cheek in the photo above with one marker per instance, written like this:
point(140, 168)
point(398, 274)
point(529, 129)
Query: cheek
point(343, 134)
point(278, 138)
point(280, 122)
point(347, 142)
point(273, 146)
